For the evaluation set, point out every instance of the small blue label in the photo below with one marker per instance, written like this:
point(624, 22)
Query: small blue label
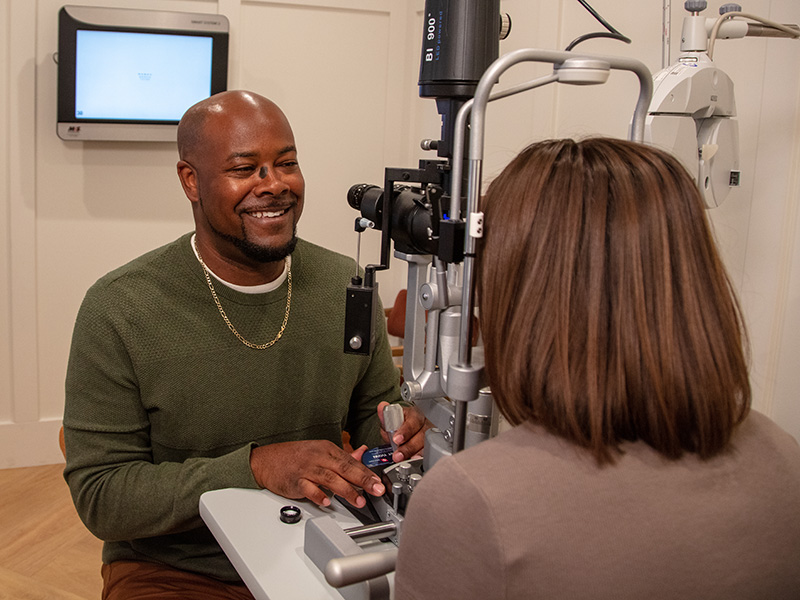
point(378, 456)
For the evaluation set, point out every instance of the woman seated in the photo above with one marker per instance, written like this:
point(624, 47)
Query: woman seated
point(615, 346)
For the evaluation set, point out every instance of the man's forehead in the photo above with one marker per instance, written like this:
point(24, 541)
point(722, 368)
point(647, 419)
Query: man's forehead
point(248, 133)
point(238, 108)
point(234, 123)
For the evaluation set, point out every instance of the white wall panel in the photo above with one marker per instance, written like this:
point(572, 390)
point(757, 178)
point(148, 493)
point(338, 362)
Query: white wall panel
point(769, 272)
point(21, 213)
point(331, 70)
point(786, 390)
point(98, 205)
point(5, 234)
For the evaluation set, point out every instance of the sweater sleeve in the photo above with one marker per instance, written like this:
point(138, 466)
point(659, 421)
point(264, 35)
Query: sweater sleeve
point(117, 489)
point(449, 545)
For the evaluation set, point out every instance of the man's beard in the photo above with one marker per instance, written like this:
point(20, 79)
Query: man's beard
point(262, 254)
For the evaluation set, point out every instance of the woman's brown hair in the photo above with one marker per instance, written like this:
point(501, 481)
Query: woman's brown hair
point(606, 311)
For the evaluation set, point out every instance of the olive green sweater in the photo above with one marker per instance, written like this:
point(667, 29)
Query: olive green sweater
point(163, 403)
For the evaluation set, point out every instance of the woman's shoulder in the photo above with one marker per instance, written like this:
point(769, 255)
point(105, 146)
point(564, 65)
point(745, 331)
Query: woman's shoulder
point(760, 437)
point(509, 460)
point(526, 444)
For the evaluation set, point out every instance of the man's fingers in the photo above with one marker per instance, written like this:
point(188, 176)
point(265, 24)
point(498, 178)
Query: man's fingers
point(358, 453)
point(307, 469)
point(345, 477)
point(349, 493)
point(341, 487)
point(314, 489)
point(360, 476)
point(313, 493)
point(410, 436)
point(381, 406)
point(413, 448)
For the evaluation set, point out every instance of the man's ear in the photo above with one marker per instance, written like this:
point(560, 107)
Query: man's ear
point(188, 177)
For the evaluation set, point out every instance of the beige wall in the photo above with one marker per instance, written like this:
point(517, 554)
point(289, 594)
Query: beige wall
point(345, 72)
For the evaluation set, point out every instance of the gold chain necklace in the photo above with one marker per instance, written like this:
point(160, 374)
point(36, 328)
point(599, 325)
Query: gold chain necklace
point(228, 321)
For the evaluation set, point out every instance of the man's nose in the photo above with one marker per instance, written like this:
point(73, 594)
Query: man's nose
point(270, 182)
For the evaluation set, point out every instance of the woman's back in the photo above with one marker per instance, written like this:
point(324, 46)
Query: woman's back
point(530, 515)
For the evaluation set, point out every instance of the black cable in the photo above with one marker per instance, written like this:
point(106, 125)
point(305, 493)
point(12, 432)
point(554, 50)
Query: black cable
point(597, 16)
point(599, 34)
point(613, 32)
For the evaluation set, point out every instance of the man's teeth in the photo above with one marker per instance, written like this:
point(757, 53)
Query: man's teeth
point(268, 214)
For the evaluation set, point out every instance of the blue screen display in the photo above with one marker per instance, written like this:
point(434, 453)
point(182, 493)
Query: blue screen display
point(140, 76)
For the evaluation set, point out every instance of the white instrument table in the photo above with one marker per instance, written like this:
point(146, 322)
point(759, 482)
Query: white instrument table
point(267, 553)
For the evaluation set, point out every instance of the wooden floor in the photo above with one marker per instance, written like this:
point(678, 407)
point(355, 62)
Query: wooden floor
point(45, 551)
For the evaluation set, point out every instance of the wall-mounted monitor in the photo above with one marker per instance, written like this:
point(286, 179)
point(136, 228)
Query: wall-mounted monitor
point(130, 75)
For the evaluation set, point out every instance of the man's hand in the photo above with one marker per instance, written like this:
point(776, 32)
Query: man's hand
point(303, 469)
point(410, 437)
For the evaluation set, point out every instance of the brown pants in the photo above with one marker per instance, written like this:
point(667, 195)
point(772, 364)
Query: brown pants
point(133, 580)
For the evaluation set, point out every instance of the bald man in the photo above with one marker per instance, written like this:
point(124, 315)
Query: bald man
point(215, 361)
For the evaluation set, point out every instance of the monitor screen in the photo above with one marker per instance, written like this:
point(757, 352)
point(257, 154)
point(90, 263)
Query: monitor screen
point(130, 75)
point(140, 76)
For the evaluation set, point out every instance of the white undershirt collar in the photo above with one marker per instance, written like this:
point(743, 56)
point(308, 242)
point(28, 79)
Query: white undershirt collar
point(262, 288)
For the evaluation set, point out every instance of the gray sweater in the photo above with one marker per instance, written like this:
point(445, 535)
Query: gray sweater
point(529, 515)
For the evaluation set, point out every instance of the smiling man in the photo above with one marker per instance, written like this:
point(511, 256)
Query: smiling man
point(215, 361)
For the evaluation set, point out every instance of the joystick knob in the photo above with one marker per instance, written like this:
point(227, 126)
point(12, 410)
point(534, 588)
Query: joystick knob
point(730, 7)
point(695, 6)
